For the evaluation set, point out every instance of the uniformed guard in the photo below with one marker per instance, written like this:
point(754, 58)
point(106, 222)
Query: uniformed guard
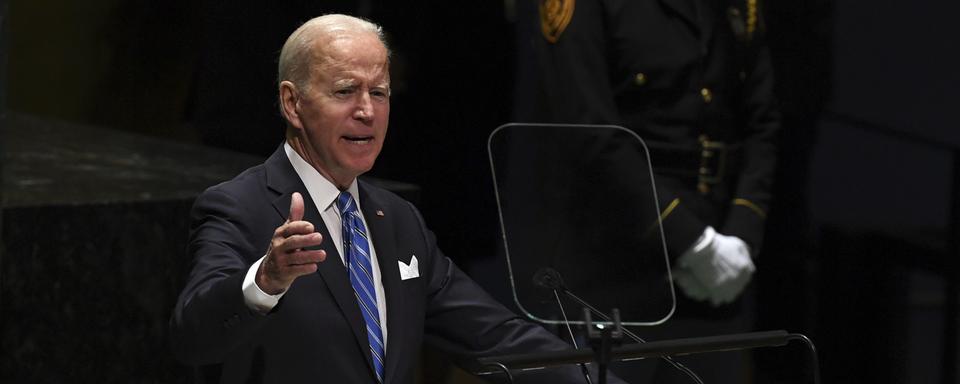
point(693, 79)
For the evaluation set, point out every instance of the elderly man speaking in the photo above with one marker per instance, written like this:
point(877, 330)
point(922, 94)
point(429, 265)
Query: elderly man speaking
point(302, 273)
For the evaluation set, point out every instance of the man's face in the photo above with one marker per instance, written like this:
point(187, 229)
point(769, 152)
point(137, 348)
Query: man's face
point(344, 109)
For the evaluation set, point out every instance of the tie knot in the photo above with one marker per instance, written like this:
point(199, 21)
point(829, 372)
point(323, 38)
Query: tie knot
point(345, 203)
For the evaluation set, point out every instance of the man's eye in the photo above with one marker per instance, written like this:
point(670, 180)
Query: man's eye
point(343, 92)
point(380, 94)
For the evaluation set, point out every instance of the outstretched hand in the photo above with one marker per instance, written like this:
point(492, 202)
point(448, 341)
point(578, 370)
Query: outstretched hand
point(287, 258)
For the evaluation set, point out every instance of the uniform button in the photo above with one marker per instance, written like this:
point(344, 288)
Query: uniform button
point(707, 95)
point(640, 79)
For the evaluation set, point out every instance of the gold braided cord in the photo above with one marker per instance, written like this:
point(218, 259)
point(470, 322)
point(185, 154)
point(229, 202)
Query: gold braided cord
point(666, 212)
point(749, 204)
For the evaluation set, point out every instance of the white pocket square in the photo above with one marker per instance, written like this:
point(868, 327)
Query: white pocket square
point(409, 271)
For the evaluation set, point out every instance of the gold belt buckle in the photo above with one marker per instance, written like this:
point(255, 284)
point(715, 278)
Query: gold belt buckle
point(713, 159)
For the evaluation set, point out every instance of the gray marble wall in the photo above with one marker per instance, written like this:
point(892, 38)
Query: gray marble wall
point(88, 289)
point(94, 231)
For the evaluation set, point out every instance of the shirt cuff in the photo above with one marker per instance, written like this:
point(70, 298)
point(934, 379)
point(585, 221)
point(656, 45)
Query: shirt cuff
point(257, 300)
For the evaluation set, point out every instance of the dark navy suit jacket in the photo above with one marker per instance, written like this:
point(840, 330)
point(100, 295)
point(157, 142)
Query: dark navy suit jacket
point(316, 334)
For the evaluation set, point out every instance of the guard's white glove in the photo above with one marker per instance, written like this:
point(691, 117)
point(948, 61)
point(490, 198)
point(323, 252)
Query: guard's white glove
point(717, 268)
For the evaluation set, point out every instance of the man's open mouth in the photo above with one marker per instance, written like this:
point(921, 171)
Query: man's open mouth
point(359, 139)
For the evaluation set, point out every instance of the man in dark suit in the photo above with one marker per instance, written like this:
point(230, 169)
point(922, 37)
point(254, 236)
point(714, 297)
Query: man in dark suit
point(290, 282)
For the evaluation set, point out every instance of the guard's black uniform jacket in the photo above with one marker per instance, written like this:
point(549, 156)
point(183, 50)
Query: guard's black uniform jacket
point(691, 77)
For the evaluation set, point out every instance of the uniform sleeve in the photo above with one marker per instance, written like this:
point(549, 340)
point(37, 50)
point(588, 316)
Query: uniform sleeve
point(751, 201)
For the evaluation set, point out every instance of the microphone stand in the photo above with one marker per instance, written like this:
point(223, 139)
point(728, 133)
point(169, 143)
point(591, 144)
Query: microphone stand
point(602, 340)
point(606, 340)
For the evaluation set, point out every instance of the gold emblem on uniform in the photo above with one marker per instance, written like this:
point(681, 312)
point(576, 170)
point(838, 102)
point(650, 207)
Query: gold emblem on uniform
point(744, 26)
point(555, 15)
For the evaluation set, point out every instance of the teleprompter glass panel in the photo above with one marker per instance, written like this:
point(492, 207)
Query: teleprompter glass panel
point(581, 223)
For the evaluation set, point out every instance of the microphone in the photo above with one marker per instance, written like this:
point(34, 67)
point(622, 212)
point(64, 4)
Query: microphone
point(549, 278)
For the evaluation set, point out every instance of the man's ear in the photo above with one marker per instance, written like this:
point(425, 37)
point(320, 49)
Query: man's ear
point(290, 104)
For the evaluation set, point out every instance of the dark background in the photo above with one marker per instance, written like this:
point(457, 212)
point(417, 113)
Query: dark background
point(112, 109)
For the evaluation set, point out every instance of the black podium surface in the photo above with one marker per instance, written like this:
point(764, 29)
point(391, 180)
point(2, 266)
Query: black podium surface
point(94, 227)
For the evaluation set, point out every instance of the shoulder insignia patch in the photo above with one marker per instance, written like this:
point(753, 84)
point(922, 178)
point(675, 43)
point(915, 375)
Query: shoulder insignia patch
point(555, 15)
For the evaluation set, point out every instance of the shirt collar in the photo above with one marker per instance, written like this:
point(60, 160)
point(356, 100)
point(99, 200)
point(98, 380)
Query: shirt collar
point(323, 192)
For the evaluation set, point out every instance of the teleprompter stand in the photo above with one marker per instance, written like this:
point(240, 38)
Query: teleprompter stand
point(602, 340)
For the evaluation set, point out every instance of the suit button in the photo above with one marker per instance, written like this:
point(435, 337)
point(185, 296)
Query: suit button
point(640, 79)
point(707, 95)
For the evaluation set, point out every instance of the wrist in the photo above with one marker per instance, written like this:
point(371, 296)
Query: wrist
point(266, 284)
point(255, 298)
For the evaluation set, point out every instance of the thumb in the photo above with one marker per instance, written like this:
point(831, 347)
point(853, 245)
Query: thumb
point(296, 207)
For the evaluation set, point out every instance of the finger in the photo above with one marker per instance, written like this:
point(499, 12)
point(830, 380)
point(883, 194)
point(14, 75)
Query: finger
point(684, 283)
point(723, 295)
point(296, 228)
point(708, 276)
point(689, 285)
point(729, 295)
point(303, 269)
point(296, 242)
point(695, 292)
point(731, 292)
point(305, 257)
point(296, 207)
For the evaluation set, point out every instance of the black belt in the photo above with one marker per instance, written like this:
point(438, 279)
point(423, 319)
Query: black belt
point(709, 163)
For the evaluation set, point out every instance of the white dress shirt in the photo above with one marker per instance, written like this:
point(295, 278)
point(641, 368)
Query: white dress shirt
point(324, 195)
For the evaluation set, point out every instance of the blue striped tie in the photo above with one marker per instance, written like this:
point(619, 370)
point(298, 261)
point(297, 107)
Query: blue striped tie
point(357, 253)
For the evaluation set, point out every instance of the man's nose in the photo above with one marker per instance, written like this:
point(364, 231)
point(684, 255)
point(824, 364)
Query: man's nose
point(364, 109)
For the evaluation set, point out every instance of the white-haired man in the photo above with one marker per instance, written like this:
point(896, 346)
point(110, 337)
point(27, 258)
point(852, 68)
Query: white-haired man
point(302, 273)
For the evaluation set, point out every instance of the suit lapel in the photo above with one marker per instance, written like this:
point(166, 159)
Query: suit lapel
point(283, 179)
point(385, 243)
